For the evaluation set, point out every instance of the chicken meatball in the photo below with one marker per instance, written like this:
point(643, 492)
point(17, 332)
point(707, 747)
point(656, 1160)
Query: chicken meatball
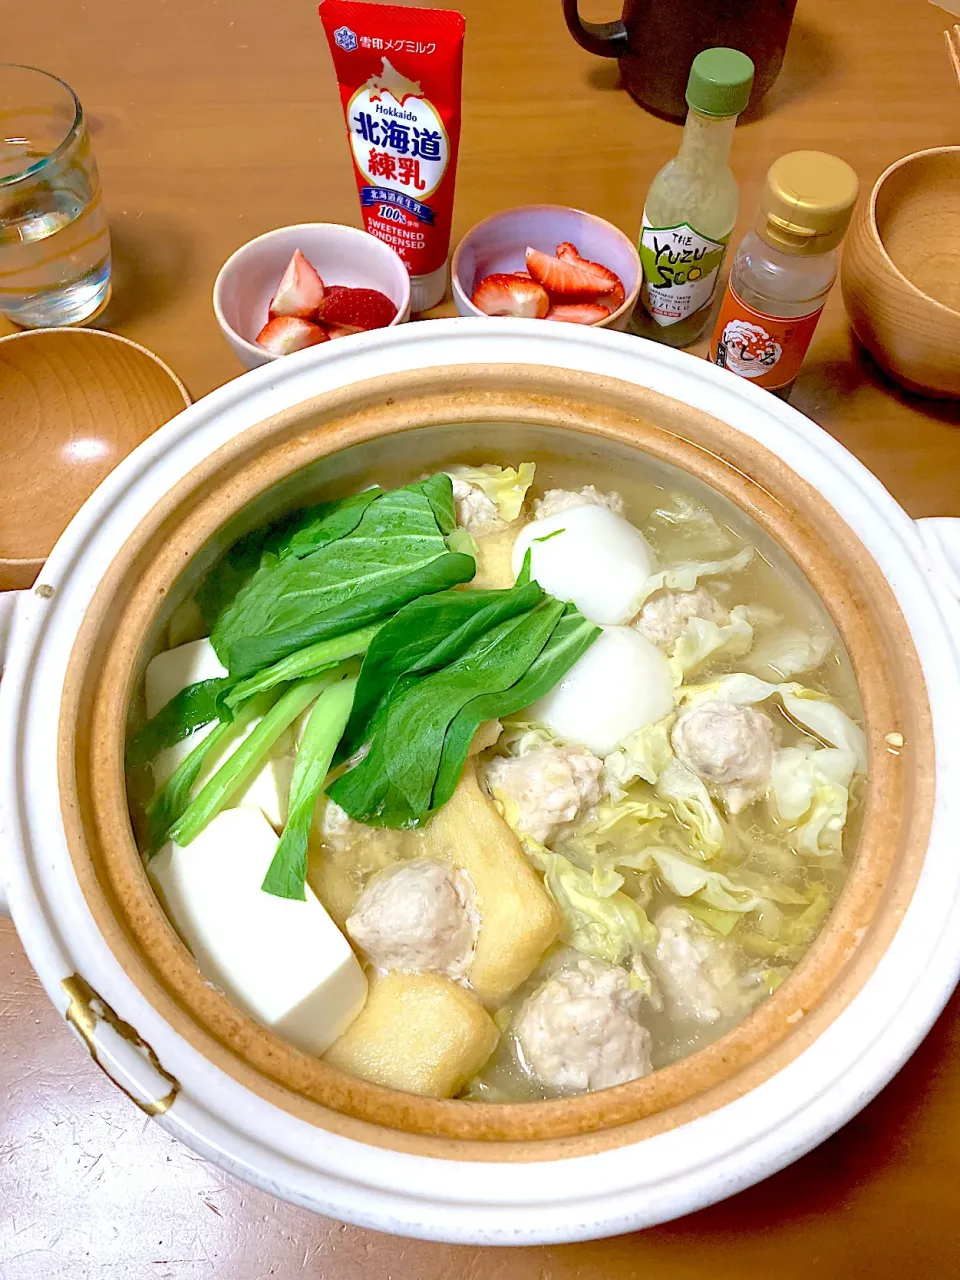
point(476, 512)
point(580, 1031)
point(729, 747)
point(698, 974)
point(663, 618)
point(546, 789)
point(417, 917)
point(557, 500)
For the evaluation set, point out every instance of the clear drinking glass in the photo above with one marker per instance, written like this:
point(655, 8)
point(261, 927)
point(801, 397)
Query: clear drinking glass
point(54, 240)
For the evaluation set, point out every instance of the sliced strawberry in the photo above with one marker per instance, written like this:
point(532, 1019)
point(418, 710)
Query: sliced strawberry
point(299, 292)
point(613, 301)
point(572, 279)
point(356, 308)
point(578, 312)
point(284, 334)
point(511, 295)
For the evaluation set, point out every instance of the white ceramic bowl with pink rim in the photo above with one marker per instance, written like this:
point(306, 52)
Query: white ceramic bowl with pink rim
point(499, 244)
point(341, 255)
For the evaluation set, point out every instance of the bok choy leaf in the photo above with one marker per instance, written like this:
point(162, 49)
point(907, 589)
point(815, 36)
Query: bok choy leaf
point(311, 661)
point(240, 767)
point(190, 709)
point(287, 873)
point(422, 733)
point(396, 552)
point(169, 801)
point(423, 636)
point(394, 783)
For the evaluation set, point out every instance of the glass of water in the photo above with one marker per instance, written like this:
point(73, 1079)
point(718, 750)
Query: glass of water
point(54, 240)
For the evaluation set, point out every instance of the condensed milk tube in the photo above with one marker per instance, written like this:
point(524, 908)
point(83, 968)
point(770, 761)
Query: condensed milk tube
point(400, 72)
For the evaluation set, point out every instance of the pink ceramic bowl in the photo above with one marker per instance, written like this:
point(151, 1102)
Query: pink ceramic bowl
point(500, 241)
point(342, 255)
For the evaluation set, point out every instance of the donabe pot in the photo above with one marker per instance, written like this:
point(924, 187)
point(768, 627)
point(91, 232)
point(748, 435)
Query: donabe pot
point(388, 405)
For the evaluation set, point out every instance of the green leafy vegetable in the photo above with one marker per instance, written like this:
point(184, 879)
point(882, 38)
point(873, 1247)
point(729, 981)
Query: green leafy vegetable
point(240, 767)
point(311, 661)
point(423, 636)
point(287, 873)
point(311, 528)
point(396, 553)
point(188, 710)
point(394, 784)
point(438, 490)
point(570, 639)
point(232, 571)
point(170, 800)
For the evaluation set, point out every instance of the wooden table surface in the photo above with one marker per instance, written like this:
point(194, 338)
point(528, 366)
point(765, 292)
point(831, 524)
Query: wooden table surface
point(215, 121)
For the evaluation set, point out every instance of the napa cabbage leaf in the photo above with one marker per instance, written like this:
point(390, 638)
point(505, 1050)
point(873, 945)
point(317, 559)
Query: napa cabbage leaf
point(810, 791)
point(506, 487)
point(691, 803)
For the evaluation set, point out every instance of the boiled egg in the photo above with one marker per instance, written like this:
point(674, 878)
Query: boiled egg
point(620, 685)
point(591, 556)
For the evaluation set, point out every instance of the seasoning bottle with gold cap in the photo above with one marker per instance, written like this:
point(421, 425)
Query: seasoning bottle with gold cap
point(784, 268)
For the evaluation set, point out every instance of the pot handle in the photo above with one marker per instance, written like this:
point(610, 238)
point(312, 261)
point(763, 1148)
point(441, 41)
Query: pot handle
point(8, 605)
point(941, 537)
point(608, 39)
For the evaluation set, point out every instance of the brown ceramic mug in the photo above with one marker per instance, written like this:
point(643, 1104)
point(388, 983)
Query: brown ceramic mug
point(656, 41)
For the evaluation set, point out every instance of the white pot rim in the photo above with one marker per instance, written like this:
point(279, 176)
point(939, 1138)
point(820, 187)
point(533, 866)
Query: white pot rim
point(494, 1203)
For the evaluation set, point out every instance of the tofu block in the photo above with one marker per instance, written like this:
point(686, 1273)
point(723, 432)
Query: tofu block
point(284, 962)
point(173, 670)
point(518, 921)
point(269, 789)
point(418, 1032)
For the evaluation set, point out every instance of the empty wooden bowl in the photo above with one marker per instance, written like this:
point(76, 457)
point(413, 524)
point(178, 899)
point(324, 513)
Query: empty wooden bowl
point(73, 402)
point(901, 272)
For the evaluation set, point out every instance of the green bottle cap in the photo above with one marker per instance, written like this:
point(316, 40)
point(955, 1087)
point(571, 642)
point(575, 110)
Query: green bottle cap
point(720, 82)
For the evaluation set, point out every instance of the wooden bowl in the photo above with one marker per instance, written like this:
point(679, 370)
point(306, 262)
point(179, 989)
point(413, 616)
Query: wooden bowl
point(901, 272)
point(73, 402)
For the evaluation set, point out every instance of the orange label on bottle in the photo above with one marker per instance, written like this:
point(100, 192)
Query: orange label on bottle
point(768, 350)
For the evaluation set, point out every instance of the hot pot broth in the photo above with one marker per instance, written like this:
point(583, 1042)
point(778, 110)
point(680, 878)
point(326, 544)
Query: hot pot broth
point(538, 938)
